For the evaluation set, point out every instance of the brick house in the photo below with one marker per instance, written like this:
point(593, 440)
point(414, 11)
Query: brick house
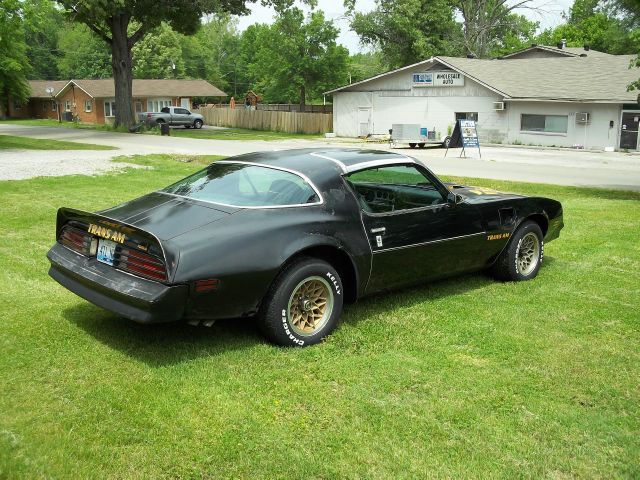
point(93, 101)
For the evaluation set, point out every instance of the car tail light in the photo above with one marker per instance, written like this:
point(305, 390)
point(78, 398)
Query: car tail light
point(76, 239)
point(140, 263)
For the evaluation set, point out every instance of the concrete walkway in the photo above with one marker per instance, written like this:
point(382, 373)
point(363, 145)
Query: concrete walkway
point(562, 167)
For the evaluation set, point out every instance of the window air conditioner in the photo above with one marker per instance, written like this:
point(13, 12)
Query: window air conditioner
point(583, 117)
point(498, 106)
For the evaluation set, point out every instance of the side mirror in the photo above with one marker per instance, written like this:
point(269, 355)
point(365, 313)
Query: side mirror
point(452, 199)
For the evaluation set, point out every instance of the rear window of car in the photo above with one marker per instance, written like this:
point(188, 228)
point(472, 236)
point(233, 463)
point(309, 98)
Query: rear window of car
point(244, 185)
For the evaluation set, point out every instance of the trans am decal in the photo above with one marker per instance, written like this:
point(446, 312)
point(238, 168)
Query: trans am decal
point(498, 236)
point(106, 233)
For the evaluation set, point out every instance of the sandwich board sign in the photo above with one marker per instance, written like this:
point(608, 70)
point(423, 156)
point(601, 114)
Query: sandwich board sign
point(465, 135)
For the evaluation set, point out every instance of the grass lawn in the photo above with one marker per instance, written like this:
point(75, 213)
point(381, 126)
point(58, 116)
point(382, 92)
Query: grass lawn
point(462, 378)
point(27, 143)
point(43, 122)
point(237, 134)
point(205, 133)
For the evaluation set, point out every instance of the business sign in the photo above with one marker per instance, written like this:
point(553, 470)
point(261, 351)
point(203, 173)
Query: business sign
point(445, 78)
point(469, 134)
point(465, 135)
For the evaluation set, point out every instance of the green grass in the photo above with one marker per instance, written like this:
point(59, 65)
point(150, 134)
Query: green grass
point(235, 134)
point(463, 378)
point(27, 143)
point(206, 134)
point(42, 122)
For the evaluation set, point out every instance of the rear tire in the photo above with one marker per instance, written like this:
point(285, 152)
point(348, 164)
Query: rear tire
point(197, 124)
point(187, 126)
point(412, 145)
point(522, 258)
point(421, 145)
point(303, 305)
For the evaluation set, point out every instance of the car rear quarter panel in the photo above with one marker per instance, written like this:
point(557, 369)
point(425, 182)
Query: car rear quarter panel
point(246, 252)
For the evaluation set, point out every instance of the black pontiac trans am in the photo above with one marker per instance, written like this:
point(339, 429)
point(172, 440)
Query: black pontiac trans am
point(289, 236)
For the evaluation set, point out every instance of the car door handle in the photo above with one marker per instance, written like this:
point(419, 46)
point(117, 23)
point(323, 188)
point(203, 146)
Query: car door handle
point(378, 230)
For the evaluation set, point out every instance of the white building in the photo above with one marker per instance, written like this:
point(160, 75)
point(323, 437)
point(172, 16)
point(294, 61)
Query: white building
point(538, 96)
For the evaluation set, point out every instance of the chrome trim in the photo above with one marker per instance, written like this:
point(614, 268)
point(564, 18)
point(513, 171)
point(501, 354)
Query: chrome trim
point(263, 207)
point(381, 163)
point(378, 230)
point(340, 164)
point(429, 242)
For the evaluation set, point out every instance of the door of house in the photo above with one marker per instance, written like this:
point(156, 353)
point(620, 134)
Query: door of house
point(364, 121)
point(629, 130)
point(185, 103)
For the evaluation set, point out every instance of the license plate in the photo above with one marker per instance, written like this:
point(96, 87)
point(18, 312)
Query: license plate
point(106, 251)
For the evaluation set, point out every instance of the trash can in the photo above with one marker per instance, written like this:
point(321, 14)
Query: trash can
point(164, 129)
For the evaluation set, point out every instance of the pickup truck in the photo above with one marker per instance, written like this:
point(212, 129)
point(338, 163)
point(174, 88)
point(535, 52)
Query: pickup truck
point(174, 116)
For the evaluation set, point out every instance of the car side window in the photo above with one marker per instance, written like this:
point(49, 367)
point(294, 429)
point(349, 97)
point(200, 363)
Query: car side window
point(394, 188)
point(164, 110)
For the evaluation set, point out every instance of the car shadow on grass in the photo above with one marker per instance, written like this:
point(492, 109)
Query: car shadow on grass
point(170, 343)
point(164, 343)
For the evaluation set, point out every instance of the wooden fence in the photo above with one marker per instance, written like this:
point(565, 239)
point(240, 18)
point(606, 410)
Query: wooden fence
point(289, 122)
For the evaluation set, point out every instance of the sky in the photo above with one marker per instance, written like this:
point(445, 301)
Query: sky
point(549, 16)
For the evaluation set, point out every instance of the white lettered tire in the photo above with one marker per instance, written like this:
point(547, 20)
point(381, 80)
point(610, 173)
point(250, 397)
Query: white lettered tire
point(522, 258)
point(303, 305)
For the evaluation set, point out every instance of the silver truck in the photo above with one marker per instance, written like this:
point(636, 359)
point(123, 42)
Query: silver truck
point(173, 116)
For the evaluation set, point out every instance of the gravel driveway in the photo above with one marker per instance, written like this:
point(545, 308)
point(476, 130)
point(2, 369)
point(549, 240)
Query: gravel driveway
point(561, 167)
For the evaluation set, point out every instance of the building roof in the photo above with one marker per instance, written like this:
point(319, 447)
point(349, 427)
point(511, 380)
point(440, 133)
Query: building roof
point(104, 88)
point(600, 78)
point(582, 79)
point(557, 52)
point(39, 87)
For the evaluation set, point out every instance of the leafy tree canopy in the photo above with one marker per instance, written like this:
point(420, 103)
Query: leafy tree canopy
point(14, 63)
point(406, 31)
point(298, 57)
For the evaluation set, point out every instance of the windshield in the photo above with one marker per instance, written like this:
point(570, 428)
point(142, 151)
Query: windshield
point(245, 185)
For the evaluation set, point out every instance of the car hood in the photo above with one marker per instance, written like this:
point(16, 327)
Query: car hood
point(480, 194)
point(166, 216)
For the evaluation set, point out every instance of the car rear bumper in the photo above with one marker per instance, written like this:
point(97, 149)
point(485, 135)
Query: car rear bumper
point(135, 298)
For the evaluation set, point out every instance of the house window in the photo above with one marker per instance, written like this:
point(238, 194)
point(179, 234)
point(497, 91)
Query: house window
point(88, 105)
point(138, 106)
point(17, 105)
point(67, 105)
point(157, 104)
point(544, 123)
point(54, 107)
point(110, 108)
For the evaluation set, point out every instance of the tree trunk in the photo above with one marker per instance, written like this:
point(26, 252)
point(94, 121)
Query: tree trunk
point(122, 70)
point(303, 100)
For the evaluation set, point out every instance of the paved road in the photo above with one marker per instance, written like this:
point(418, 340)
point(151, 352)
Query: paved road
point(562, 167)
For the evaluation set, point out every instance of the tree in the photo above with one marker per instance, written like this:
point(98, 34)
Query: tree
point(407, 31)
point(365, 65)
point(14, 64)
point(122, 23)
point(486, 22)
point(82, 54)
point(299, 57)
point(593, 23)
point(158, 55)
point(43, 22)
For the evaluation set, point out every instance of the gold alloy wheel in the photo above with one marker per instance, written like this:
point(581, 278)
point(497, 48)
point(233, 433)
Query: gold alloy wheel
point(528, 253)
point(310, 306)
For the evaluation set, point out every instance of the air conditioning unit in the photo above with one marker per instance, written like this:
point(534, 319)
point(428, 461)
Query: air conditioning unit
point(498, 106)
point(583, 117)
